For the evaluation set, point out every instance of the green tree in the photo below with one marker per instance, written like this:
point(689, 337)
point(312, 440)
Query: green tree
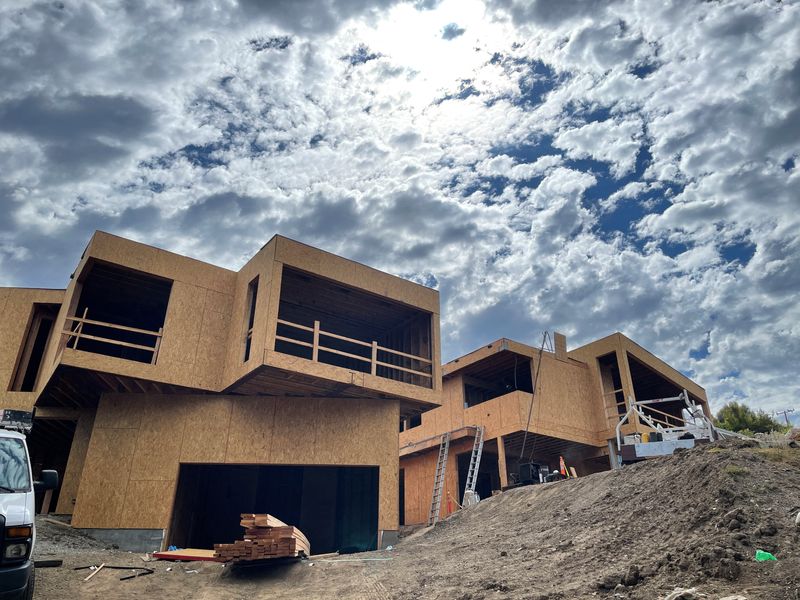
point(739, 417)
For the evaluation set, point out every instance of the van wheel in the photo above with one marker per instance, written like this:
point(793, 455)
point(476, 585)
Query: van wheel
point(31, 581)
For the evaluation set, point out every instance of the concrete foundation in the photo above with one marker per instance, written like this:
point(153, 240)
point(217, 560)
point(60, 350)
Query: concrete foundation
point(132, 540)
point(387, 538)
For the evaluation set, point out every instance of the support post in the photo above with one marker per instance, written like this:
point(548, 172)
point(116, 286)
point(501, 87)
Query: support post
point(374, 363)
point(501, 461)
point(157, 346)
point(612, 454)
point(315, 349)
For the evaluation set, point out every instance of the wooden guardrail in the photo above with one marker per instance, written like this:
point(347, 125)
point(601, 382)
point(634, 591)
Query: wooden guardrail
point(317, 347)
point(75, 332)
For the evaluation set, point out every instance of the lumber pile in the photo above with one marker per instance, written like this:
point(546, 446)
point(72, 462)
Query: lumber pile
point(264, 537)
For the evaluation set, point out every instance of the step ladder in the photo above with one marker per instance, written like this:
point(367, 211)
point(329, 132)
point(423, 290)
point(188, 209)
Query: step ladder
point(438, 480)
point(470, 497)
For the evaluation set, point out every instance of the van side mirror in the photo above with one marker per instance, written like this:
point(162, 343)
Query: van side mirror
point(49, 481)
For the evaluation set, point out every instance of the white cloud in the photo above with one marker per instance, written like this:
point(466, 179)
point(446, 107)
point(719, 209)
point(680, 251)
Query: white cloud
point(354, 126)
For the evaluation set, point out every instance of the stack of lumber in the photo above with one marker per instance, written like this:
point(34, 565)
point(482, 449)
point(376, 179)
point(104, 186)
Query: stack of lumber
point(264, 537)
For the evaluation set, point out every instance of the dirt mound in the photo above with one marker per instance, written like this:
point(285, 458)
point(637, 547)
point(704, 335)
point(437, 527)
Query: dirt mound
point(694, 520)
point(691, 520)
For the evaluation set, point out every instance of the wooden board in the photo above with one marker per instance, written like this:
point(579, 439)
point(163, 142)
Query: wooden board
point(265, 537)
point(188, 554)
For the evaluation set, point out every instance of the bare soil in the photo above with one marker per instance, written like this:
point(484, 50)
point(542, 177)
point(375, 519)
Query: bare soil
point(693, 520)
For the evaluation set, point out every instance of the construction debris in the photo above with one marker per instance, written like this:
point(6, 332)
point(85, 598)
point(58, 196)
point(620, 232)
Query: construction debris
point(265, 537)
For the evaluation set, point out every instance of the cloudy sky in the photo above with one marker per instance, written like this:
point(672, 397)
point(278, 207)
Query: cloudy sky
point(585, 167)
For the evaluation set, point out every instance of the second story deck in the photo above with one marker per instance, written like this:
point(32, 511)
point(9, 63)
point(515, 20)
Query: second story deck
point(293, 321)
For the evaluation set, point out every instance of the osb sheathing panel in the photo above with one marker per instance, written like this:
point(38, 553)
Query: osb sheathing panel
point(380, 385)
point(355, 274)
point(159, 443)
point(206, 428)
point(196, 323)
point(621, 345)
point(16, 310)
point(17, 400)
point(589, 354)
point(262, 266)
point(75, 463)
point(159, 432)
point(147, 503)
point(565, 406)
point(122, 251)
point(204, 331)
point(105, 477)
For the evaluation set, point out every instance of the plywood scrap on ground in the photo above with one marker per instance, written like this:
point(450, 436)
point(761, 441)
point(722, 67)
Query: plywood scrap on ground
point(264, 537)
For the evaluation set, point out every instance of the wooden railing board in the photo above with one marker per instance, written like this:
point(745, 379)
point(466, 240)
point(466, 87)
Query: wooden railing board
point(374, 347)
point(77, 334)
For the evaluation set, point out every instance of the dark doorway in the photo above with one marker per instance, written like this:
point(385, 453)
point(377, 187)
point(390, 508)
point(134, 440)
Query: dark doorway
point(49, 444)
point(488, 475)
point(335, 507)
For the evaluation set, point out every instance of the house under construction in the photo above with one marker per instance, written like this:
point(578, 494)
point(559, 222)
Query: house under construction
point(581, 396)
point(173, 395)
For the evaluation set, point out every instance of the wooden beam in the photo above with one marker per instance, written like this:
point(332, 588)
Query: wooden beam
point(54, 412)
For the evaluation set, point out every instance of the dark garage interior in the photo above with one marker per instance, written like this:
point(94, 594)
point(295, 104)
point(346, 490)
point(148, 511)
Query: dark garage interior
point(335, 507)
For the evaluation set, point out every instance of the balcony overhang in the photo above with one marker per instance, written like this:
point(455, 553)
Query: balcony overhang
point(286, 375)
point(76, 387)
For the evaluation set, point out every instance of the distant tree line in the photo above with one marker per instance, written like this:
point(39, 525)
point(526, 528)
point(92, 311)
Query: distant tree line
point(735, 416)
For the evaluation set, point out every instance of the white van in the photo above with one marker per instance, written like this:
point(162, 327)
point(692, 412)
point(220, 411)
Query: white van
point(17, 509)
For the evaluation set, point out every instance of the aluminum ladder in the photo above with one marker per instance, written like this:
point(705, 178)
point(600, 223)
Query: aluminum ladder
point(438, 480)
point(474, 464)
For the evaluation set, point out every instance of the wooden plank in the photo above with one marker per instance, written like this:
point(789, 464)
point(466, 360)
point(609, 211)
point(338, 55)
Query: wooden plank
point(315, 343)
point(111, 325)
point(414, 356)
point(86, 336)
point(295, 325)
point(412, 371)
point(187, 554)
point(346, 339)
point(341, 353)
point(293, 341)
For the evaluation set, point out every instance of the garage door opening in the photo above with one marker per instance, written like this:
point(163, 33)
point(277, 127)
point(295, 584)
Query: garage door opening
point(335, 507)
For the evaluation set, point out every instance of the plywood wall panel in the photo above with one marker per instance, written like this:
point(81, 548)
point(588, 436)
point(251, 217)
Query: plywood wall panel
point(105, 478)
point(206, 428)
point(119, 411)
point(158, 445)
point(251, 429)
point(183, 324)
point(147, 504)
point(75, 463)
point(233, 429)
point(294, 432)
point(15, 317)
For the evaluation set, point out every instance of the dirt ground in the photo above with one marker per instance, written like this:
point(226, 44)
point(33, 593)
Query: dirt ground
point(693, 520)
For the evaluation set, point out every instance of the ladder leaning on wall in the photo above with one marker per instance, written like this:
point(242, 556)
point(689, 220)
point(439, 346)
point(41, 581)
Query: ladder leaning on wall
point(438, 480)
point(470, 497)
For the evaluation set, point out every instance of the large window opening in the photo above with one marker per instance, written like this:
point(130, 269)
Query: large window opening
point(648, 384)
point(501, 374)
point(612, 382)
point(252, 296)
point(488, 478)
point(335, 507)
point(49, 444)
point(120, 313)
point(33, 347)
point(327, 322)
